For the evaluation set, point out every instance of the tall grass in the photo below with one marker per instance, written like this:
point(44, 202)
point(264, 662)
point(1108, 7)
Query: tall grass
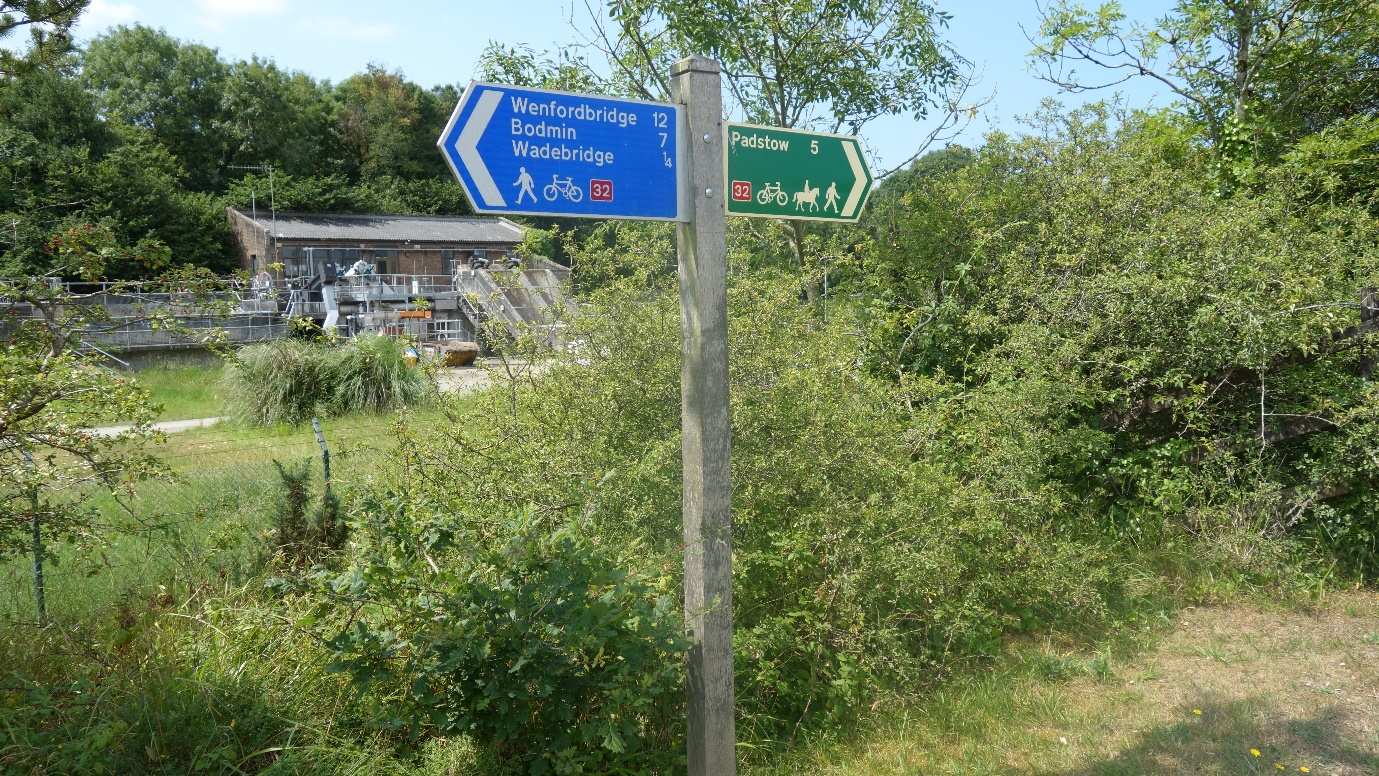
point(166, 654)
point(286, 381)
point(289, 381)
point(372, 375)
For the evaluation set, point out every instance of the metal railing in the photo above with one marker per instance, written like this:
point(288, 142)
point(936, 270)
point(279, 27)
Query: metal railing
point(392, 287)
point(450, 329)
point(136, 337)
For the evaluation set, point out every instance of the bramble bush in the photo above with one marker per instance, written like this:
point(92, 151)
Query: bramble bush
point(534, 642)
point(859, 562)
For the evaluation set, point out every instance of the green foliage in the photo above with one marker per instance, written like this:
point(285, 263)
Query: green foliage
point(49, 24)
point(533, 641)
point(271, 115)
point(289, 381)
point(284, 381)
point(524, 66)
point(1258, 76)
point(145, 78)
point(300, 532)
point(387, 125)
point(1186, 359)
point(884, 58)
point(371, 374)
point(148, 135)
point(52, 394)
point(860, 560)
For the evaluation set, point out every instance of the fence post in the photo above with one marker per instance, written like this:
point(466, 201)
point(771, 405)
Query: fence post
point(325, 453)
point(705, 428)
point(35, 518)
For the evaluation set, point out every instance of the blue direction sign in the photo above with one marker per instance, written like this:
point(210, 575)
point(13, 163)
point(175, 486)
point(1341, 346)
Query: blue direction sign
point(517, 150)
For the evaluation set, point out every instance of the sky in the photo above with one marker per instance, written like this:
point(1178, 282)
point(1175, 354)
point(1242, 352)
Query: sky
point(438, 41)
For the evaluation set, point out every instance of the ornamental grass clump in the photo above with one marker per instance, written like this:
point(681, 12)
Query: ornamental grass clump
point(371, 374)
point(290, 381)
point(287, 381)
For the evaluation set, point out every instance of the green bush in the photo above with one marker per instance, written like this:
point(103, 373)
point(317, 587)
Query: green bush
point(284, 381)
point(291, 380)
point(300, 532)
point(371, 374)
point(536, 643)
point(861, 560)
point(1189, 361)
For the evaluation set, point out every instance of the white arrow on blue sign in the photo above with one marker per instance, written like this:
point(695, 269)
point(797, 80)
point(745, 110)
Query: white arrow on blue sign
point(523, 151)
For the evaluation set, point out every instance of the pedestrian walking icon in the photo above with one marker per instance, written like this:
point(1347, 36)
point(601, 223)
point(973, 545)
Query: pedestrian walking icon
point(525, 184)
point(831, 198)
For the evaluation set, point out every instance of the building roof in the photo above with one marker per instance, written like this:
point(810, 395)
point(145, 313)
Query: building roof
point(390, 228)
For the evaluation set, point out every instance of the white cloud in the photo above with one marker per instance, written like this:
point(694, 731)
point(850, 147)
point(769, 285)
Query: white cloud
point(228, 8)
point(107, 13)
point(345, 28)
point(215, 13)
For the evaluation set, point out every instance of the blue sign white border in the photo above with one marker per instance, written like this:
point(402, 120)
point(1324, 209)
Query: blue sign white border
point(682, 182)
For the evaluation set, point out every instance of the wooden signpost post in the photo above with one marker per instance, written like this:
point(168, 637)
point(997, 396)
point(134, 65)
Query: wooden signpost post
point(705, 430)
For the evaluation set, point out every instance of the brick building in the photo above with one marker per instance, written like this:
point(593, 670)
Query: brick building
point(409, 245)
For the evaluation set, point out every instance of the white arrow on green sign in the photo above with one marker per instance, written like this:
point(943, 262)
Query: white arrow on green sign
point(790, 173)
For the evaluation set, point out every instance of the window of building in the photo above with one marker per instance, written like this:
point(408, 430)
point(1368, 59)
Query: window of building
point(294, 261)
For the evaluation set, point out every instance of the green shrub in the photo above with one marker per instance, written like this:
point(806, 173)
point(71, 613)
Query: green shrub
point(1190, 361)
point(300, 532)
point(284, 381)
point(535, 643)
point(865, 556)
point(372, 375)
point(290, 381)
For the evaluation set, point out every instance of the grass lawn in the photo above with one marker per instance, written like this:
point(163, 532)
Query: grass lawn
point(185, 390)
point(1240, 689)
point(133, 675)
point(205, 526)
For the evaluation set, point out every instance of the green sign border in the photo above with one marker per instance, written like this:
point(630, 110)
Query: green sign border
point(861, 158)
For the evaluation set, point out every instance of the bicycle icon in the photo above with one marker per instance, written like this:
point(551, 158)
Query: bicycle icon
point(562, 187)
point(772, 190)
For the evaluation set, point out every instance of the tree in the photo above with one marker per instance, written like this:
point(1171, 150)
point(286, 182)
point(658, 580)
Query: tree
point(1188, 362)
point(525, 66)
point(388, 125)
point(1258, 74)
point(269, 116)
point(49, 23)
point(53, 391)
point(148, 79)
point(826, 64)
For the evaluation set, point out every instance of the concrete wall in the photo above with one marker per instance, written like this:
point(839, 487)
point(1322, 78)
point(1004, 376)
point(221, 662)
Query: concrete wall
point(251, 242)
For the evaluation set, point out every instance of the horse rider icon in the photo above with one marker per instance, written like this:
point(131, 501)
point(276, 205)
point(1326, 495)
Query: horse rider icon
point(525, 182)
point(831, 197)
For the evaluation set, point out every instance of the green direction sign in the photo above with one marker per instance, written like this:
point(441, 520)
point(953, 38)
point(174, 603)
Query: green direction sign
point(789, 173)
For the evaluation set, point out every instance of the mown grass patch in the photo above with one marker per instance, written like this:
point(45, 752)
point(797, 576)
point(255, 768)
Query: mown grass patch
point(1297, 694)
point(184, 390)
